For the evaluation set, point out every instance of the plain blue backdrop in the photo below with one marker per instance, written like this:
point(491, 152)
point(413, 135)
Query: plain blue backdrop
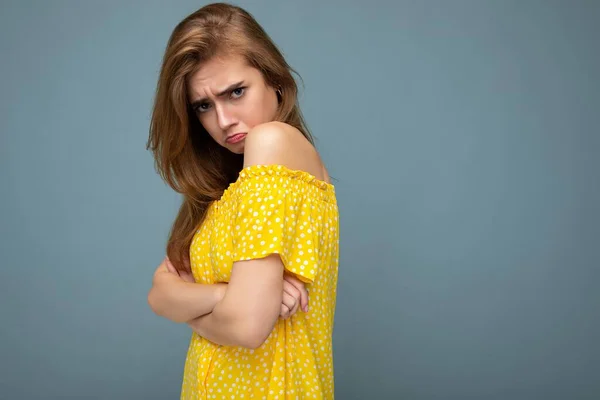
point(464, 139)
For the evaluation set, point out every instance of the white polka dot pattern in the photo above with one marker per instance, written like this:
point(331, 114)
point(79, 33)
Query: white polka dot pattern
point(270, 209)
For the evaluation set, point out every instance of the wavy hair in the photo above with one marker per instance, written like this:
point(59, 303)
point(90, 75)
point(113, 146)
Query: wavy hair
point(185, 155)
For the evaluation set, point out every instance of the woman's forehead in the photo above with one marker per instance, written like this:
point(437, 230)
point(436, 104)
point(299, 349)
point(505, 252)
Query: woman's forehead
point(218, 73)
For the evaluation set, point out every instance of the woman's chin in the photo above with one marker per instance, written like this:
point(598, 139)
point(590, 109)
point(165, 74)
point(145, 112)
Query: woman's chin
point(236, 149)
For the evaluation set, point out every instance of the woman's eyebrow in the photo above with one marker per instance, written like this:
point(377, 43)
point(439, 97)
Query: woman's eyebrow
point(222, 93)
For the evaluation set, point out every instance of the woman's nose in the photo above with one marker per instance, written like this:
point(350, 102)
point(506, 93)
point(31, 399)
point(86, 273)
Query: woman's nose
point(225, 117)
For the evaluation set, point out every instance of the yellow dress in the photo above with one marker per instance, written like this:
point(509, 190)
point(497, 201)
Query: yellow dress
point(270, 209)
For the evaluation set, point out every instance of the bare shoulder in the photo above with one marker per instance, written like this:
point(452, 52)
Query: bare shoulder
point(282, 144)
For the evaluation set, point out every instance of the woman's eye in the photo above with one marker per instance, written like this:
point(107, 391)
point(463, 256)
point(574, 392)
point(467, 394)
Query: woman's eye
point(238, 92)
point(202, 107)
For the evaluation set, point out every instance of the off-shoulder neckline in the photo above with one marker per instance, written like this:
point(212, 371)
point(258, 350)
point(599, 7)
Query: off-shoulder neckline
point(280, 169)
point(258, 170)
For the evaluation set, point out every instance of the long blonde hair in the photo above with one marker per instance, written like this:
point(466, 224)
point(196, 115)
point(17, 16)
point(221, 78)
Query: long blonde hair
point(186, 157)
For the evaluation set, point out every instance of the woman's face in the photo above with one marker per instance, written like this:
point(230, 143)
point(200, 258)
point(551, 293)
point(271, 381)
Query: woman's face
point(229, 98)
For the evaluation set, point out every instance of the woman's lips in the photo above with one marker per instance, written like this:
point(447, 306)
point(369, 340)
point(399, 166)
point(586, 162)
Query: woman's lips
point(235, 138)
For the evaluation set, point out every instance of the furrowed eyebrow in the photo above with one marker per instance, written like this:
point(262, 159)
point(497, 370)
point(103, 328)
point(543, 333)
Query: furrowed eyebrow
point(222, 93)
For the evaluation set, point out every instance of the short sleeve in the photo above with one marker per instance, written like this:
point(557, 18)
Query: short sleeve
point(279, 212)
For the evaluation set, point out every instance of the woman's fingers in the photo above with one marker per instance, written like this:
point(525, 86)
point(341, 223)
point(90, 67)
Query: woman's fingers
point(291, 290)
point(300, 286)
point(289, 305)
point(285, 312)
point(187, 276)
point(289, 300)
point(295, 293)
point(295, 308)
point(170, 266)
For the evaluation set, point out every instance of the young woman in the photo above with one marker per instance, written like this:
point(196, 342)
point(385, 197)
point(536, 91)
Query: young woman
point(258, 228)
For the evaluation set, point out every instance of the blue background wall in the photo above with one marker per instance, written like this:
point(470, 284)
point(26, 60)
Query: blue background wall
point(464, 137)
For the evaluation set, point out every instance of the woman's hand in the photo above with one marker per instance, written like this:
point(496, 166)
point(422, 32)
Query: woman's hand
point(221, 287)
point(295, 295)
point(178, 298)
point(185, 275)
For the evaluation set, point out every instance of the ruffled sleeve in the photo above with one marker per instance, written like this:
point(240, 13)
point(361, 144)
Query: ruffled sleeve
point(282, 211)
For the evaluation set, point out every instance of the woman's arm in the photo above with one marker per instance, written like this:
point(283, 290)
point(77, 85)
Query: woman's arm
point(180, 301)
point(248, 312)
point(252, 303)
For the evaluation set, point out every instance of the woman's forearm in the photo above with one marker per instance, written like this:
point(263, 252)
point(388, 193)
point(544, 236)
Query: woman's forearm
point(181, 301)
point(211, 327)
point(232, 324)
point(227, 327)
